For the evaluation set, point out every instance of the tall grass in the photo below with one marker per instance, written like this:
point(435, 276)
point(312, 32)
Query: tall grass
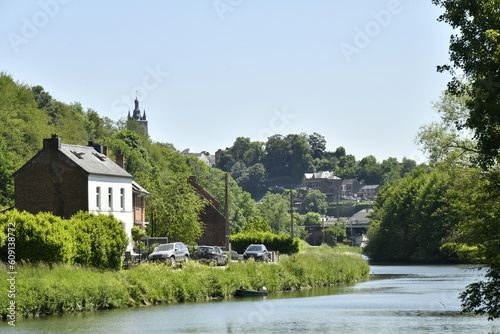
point(43, 289)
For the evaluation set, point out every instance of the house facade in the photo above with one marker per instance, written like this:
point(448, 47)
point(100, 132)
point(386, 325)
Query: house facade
point(324, 181)
point(369, 191)
point(64, 179)
point(350, 187)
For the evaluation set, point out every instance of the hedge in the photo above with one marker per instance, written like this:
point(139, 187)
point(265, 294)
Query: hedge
point(85, 239)
point(282, 243)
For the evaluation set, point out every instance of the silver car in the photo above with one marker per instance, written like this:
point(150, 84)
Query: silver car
point(173, 252)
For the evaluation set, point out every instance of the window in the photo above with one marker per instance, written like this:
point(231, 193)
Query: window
point(98, 198)
point(110, 198)
point(122, 198)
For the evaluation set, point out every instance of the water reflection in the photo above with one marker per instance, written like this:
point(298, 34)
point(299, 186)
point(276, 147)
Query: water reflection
point(399, 299)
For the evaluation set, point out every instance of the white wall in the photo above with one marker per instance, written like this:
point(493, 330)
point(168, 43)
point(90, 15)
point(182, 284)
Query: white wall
point(124, 214)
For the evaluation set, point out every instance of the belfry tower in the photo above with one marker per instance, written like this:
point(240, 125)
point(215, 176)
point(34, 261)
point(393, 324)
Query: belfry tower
point(143, 123)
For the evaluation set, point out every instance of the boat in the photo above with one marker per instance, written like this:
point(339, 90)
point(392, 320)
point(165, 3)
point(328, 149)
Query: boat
point(242, 292)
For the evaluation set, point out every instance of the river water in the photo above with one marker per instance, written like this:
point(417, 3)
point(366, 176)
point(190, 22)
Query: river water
point(396, 299)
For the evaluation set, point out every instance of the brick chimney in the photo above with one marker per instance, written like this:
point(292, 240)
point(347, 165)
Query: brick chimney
point(120, 159)
point(53, 143)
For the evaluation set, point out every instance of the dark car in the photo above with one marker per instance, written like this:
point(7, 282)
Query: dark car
point(257, 251)
point(211, 254)
point(175, 251)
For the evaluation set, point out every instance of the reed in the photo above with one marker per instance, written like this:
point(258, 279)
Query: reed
point(55, 289)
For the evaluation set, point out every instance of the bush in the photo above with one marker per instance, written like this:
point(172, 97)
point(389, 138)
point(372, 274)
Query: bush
point(282, 243)
point(87, 239)
point(41, 237)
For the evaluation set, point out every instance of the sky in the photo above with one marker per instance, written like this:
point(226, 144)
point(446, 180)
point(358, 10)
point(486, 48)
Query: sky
point(361, 73)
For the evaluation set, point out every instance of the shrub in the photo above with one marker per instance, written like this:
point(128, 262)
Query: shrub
point(41, 237)
point(87, 239)
point(282, 243)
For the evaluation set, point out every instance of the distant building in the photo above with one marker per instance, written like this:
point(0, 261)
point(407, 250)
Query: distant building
point(143, 123)
point(64, 179)
point(215, 223)
point(324, 181)
point(204, 156)
point(369, 191)
point(350, 187)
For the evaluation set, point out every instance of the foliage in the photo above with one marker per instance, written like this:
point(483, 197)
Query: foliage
point(442, 141)
point(315, 201)
point(57, 289)
point(275, 209)
point(482, 297)
point(475, 58)
point(41, 237)
point(137, 233)
point(173, 209)
point(336, 233)
point(99, 240)
point(86, 239)
point(282, 243)
point(312, 218)
point(410, 219)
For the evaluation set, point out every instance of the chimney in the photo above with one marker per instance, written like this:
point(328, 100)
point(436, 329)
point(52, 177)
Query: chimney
point(53, 143)
point(120, 159)
point(105, 150)
point(96, 146)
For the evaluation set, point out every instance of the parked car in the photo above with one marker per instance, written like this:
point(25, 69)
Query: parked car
point(175, 251)
point(257, 251)
point(211, 254)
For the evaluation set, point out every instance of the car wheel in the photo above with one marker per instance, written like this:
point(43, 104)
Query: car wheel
point(172, 260)
point(186, 259)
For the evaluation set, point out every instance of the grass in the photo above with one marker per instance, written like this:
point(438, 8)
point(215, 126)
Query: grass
point(56, 289)
point(324, 248)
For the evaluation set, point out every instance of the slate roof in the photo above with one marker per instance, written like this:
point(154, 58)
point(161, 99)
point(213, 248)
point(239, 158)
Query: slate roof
point(92, 161)
point(321, 175)
point(137, 187)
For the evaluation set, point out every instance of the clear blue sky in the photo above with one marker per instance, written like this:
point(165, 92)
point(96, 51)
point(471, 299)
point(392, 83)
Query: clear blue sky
point(361, 73)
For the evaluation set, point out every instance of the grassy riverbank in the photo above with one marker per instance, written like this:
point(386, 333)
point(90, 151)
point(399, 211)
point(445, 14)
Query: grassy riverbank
point(43, 289)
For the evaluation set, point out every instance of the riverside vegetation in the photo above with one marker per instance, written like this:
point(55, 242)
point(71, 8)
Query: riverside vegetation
point(44, 289)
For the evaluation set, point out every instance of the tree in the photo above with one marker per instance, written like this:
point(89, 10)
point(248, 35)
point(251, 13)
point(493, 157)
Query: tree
point(442, 141)
point(315, 201)
point(317, 143)
point(369, 170)
point(475, 58)
point(411, 219)
point(312, 218)
point(274, 208)
point(253, 180)
point(173, 209)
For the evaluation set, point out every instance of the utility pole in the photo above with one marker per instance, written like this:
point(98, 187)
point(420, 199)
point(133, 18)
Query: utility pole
point(226, 213)
point(291, 210)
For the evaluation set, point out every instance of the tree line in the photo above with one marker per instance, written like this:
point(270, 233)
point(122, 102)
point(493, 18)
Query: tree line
point(283, 160)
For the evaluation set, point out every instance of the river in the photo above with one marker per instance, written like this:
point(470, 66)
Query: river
point(396, 299)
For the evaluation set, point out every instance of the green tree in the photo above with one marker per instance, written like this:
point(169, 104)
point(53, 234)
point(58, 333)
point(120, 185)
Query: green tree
point(475, 58)
point(317, 143)
point(275, 209)
point(312, 218)
point(173, 209)
point(315, 201)
point(369, 170)
point(411, 219)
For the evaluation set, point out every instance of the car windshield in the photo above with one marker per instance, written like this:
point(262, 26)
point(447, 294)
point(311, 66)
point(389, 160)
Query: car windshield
point(205, 249)
point(166, 247)
point(255, 248)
